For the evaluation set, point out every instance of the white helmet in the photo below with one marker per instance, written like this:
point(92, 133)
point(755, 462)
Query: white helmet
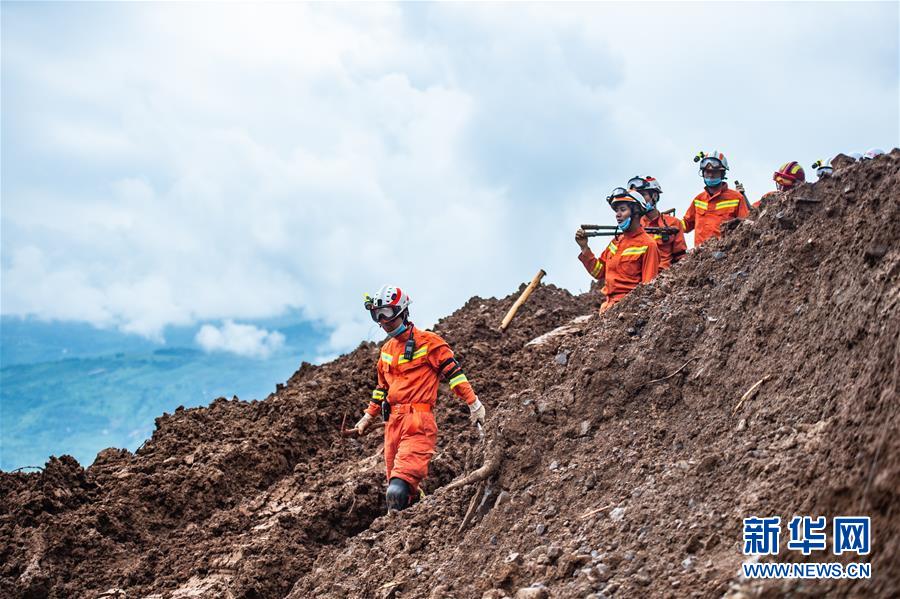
point(855, 156)
point(714, 158)
point(823, 168)
point(873, 153)
point(620, 194)
point(387, 303)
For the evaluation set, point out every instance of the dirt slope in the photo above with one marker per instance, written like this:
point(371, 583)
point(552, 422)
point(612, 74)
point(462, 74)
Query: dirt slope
point(609, 482)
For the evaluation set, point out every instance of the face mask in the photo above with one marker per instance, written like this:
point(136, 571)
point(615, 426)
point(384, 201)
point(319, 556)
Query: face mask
point(712, 182)
point(397, 331)
point(625, 224)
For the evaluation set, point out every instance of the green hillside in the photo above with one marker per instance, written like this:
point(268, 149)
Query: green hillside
point(87, 402)
point(80, 406)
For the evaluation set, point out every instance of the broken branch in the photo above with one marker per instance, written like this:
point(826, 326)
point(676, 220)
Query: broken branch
point(392, 584)
point(590, 513)
point(671, 375)
point(750, 393)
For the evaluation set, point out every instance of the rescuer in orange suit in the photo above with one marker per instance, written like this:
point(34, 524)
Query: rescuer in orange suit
point(671, 244)
point(409, 367)
point(631, 258)
point(787, 177)
point(716, 203)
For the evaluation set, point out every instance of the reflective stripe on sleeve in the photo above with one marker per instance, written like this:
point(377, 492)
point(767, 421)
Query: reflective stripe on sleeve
point(458, 379)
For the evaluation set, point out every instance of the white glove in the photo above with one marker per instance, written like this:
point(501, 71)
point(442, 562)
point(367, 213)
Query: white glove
point(476, 412)
point(363, 425)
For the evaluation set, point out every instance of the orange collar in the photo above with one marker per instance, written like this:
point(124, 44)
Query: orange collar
point(723, 187)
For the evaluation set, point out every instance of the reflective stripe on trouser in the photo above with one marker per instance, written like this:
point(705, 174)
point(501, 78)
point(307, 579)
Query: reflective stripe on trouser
point(409, 441)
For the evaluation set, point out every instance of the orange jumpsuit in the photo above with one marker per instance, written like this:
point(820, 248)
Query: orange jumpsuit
point(674, 246)
point(707, 212)
point(411, 387)
point(630, 259)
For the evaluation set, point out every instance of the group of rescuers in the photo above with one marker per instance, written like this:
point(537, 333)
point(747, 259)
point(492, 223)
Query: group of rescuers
point(413, 361)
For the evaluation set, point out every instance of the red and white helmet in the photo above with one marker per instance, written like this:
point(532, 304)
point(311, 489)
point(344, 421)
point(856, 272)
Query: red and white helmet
point(387, 303)
point(789, 174)
point(647, 183)
point(715, 158)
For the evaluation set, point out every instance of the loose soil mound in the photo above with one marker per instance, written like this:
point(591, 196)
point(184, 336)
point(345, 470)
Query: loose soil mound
point(628, 448)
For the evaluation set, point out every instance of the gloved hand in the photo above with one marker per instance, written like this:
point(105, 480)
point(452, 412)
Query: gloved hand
point(362, 426)
point(740, 187)
point(476, 412)
point(581, 239)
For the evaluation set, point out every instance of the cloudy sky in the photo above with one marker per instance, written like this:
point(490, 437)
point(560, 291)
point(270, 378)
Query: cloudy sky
point(174, 164)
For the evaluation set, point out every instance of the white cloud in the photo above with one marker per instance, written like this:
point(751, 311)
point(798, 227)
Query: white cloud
point(241, 339)
point(167, 164)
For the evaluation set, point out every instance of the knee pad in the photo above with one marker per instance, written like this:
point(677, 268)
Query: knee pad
point(398, 494)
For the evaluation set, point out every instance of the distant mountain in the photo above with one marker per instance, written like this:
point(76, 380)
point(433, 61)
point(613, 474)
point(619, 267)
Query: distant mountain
point(69, 388)
point(28, 341)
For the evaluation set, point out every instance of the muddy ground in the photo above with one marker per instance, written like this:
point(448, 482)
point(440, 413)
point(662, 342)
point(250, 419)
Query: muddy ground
point(626, 459)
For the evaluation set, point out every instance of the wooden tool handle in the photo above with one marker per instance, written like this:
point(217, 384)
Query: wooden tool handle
point(515, 307)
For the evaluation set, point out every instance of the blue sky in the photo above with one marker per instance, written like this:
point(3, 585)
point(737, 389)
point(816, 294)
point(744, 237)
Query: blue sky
point(166, 164)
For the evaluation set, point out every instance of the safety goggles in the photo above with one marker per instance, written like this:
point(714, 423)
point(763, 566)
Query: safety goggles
point(619, 192)
point(384, 313)
point(784, 181)
point(713, 162)
point(638, 183)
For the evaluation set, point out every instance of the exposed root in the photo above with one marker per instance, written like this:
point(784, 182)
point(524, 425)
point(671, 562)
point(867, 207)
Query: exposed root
point(471, 511)
point(490, 468)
